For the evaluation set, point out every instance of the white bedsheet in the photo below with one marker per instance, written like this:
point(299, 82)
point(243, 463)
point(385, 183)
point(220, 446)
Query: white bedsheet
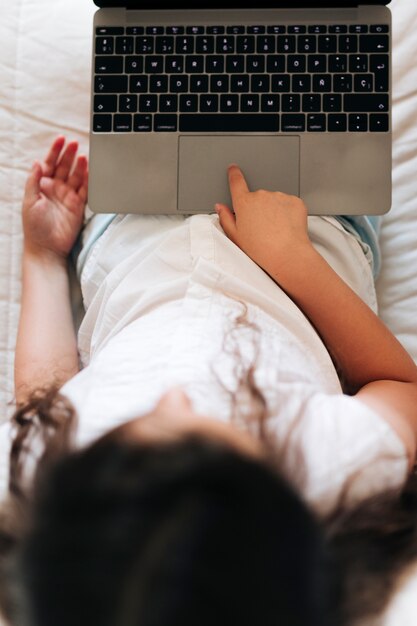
point(44, 91)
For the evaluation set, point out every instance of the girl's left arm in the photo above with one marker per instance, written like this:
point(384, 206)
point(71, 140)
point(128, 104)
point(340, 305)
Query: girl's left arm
point(52, 213)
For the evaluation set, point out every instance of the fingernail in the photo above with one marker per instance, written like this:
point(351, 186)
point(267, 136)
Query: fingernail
point(217, 208)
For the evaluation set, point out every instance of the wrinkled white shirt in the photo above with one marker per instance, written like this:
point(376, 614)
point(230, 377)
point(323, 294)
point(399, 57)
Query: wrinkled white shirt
point(162, 295)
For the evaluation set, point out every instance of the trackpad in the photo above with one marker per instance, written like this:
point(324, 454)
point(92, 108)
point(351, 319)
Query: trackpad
point(268, 162)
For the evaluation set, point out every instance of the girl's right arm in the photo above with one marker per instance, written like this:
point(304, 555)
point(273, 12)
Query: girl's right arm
point(272, 229)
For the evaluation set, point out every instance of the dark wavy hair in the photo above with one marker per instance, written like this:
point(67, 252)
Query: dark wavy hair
point(185, 533)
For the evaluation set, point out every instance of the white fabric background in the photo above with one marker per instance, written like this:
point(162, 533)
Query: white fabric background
point(44, 91)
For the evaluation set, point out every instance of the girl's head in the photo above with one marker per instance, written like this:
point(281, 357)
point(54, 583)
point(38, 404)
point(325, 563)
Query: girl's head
point(156, 525)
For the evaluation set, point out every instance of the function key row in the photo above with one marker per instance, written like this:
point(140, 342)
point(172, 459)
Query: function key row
point(239, 30)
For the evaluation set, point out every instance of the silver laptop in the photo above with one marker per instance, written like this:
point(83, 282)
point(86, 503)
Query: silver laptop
point(296, 93)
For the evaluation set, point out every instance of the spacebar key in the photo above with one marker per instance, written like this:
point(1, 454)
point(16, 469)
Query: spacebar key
point(228, 123)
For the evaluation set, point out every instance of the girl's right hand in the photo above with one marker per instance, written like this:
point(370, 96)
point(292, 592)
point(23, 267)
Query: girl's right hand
point(268, 226)
point(54, 200)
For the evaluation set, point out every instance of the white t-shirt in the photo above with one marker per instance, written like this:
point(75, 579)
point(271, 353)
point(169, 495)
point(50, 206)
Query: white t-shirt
point(162, 297)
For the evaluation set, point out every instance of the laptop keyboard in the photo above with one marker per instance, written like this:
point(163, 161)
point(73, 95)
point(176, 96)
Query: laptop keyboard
point(289, 79)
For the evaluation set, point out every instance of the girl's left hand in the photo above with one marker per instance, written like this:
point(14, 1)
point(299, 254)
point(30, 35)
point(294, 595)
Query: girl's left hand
point(54, 200)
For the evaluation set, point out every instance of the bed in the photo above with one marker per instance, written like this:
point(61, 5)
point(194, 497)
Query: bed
point(44, 91)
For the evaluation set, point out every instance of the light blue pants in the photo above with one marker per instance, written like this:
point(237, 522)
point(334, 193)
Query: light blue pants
point(364, 228)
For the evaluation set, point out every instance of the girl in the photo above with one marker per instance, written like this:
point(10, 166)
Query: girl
point(246, 424)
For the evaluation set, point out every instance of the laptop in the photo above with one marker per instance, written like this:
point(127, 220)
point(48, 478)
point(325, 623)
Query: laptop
point(297, 93)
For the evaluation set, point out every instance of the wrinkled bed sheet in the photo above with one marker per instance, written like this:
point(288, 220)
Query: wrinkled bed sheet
point(44, 91)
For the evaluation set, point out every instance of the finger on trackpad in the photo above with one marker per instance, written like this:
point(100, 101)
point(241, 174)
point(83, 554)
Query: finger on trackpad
point(267, 162)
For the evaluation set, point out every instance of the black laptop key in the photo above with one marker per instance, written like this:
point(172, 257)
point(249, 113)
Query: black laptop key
point(225, 44)
point(229, 123)
point(379, 65)
point(337, 122)
point(235, 30)
point(358, 63)
point(286, 44)
point(105, 104)
point(317, 29)
point(209, 103)
point(307, 44)
point(260, 83)
point(184, 45)
point(174, 64)
point(142, 123)
point(379, 28)
point(199, 83)
point(311, 103)
point(332, 103)
point(255, 64)
point(110, 84)
point(316, 123)
point(109, 65)
point(327, 43)
point(133, 65)
point(215, 30)
point(154, 64)
point(280, 83)
point(145, 45)
point(301, 83)
point(245, 45)
point(296, 63)
point(364, 83)
point(342, 83)
point(104, 45)
point(122, 123)
point(168, 103)
point(135, 30)
point(322, 83)
point(235, 64)
point(214, 64)
point(194, 64)
point(219, 83)
point(128, 103)
point(165, 123)
point(158, 84)
point(195, 30)
point(338, 63)
point(270, 103)
point(148, 104)
point(362, 103)
point(379, 123)
point(138, 84)
point(204, 45)
point(124, 45)
point(178, 84)
point(102, 123)
point(110, 30)
point(317, 63)
point(164, 45)
point(154, 30)
point(265, 44)
point(249, 103)
point(189, 103)
point(348, 43)
point(293, 123)
point(229, 103)
point(275, 63)
point(338, 28)
point(291, 103)
point(374, 43)
point(358, 122)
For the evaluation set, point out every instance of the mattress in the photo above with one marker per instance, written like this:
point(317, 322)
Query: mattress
point(44, 91)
